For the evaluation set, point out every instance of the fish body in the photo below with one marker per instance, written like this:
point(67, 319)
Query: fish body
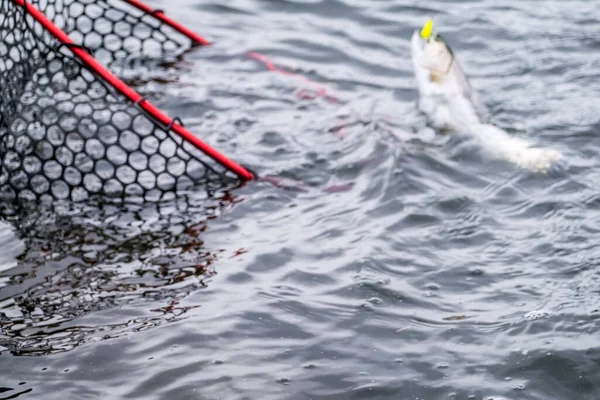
point(445, 94)
point(447, 97)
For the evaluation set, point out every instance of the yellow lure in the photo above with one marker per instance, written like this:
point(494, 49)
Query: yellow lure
point(427, 29)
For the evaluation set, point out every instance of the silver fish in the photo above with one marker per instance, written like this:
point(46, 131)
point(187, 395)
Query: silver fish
point(452, 104)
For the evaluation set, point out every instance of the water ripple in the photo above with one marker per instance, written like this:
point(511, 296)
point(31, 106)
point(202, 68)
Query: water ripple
point(377, 259)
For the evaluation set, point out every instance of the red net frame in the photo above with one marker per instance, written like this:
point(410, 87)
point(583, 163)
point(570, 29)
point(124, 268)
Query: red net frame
point(46, 63)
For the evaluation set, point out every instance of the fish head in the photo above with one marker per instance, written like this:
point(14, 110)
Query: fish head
point(431, 52)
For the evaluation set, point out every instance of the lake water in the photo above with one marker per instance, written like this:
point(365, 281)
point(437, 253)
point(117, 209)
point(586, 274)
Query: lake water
point(406, 266)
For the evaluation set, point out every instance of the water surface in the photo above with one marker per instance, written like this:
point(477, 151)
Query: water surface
point(408, 266)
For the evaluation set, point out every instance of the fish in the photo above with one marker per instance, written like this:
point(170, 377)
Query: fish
point(453, 106)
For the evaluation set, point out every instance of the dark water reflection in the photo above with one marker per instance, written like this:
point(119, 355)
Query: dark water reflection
point(408, 265)
point(81, 261)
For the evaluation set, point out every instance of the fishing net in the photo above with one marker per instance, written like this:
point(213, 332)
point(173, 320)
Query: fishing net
point(65, 133)
point(113, 30)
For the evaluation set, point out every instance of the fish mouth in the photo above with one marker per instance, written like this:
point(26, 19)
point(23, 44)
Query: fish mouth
point(422, 36)
point(418, 44)
point(418, 47)
point(421, 39)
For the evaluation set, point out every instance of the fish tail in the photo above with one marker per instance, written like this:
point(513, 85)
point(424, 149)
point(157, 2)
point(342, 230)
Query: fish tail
point(500, 144)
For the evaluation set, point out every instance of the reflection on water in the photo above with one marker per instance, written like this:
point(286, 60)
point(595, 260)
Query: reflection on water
point(380, 260)
point(11, 247)
point(83, 259)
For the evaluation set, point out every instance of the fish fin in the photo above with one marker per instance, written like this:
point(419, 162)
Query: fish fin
point(500, 144)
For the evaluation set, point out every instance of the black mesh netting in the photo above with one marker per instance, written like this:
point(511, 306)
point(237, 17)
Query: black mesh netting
point(64, 133)
point(114, 31)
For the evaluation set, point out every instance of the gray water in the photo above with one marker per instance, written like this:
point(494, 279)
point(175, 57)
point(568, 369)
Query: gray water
point(408, 265)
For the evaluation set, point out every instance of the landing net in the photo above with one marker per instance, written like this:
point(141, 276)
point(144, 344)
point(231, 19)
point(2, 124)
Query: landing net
point(70, 129)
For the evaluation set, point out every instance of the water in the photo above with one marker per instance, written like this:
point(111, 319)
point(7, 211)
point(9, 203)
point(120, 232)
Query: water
point(409, 266)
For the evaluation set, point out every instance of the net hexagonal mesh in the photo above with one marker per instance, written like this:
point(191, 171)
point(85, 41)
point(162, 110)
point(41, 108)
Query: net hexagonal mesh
point(114, 31)
point(67, 134)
